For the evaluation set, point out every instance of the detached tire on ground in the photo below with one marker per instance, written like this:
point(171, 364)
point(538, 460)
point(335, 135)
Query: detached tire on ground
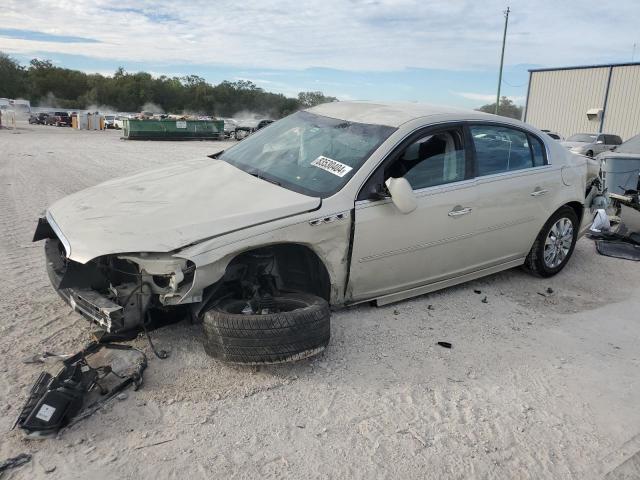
point(300, 330)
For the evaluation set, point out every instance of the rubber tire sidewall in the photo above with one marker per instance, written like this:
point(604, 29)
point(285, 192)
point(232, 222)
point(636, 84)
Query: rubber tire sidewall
point(271, 338)
point(535, 259)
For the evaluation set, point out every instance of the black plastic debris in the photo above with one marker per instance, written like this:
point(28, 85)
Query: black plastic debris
point(477, 291)
point(87, 380)
point(14, 462)
point(549, 290)
point(444, 344)
point(484, 300)
point(45, 357)
point(627, 251)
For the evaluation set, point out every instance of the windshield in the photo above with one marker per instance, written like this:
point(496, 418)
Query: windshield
point(582, 137)
point(308, 153)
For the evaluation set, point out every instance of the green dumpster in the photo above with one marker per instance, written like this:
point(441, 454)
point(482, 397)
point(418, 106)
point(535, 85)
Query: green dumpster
point(168, 129)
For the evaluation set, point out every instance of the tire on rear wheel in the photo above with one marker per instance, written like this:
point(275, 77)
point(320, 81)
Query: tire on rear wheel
point(301, 330)
point(535, 261)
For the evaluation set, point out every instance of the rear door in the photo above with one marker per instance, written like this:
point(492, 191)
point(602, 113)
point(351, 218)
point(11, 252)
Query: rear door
point(514, 185)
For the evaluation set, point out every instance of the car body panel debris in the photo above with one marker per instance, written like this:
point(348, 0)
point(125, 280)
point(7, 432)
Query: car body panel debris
point(626, 251)
point(87, 381)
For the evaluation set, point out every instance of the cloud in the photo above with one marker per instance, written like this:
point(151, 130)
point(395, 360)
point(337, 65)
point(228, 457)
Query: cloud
point(42, 36)
point(355, 35)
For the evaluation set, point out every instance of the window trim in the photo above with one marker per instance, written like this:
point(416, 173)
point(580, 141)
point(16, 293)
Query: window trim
point(368, 187)
point(545, 150)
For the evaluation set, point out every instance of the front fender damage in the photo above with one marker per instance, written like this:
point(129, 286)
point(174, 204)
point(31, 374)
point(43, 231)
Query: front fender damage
point(118, 291)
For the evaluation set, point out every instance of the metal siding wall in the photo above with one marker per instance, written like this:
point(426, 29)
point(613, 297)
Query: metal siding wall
point(623, 110)
point(559, 99)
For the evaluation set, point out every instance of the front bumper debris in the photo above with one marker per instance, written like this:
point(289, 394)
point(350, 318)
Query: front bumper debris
point(87, 302)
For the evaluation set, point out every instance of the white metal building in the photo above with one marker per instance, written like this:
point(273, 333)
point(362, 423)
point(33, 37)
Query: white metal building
point(586, 99)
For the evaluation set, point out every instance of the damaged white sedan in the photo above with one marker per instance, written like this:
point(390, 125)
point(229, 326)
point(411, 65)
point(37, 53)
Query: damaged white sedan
point(342, 203)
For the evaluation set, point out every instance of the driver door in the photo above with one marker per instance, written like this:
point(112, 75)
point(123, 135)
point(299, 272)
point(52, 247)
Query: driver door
point(393, 251)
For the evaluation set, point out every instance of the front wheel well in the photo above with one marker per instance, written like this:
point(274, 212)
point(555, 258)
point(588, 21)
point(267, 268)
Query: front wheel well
point(296, 267)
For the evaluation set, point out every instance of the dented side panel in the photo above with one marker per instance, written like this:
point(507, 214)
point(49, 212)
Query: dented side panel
point(328, 236)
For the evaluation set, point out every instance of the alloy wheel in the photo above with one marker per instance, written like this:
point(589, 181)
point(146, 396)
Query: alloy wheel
point(558, 242)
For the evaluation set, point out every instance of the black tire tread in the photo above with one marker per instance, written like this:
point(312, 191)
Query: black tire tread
point(271, 338)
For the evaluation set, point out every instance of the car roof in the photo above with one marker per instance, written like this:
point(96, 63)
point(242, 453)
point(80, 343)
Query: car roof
point(390, 113)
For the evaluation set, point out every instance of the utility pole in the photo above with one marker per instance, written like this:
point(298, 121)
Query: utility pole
point(633, 54)
point(504, 40)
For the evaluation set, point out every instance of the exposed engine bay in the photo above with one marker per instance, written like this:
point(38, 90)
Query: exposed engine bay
point(126, 292)
point(118, 291)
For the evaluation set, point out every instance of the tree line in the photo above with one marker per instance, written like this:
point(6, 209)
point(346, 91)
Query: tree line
point(44, 84)
point(506, 108)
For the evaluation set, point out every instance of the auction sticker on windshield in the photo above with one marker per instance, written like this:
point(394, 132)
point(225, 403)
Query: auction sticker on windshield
point(331, 166)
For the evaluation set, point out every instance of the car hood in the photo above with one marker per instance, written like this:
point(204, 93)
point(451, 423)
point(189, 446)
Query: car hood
point(168, 208)
point(574, 144)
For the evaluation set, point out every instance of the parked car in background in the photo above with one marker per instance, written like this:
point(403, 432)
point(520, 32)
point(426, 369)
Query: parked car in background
point(118, 123)
point(340, 204)
point(230, 126)
point(109, 121)
point(59, 119)
point(554, 135)
point(591, 144)
point(263, 123)
point(38, 119)
point(250, 126)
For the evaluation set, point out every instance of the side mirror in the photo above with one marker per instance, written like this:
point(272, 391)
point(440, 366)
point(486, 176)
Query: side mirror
point(402, 194)
point(600, 142)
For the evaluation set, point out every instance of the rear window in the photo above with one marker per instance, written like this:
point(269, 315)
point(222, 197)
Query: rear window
point(502, 149)
point(538, 150)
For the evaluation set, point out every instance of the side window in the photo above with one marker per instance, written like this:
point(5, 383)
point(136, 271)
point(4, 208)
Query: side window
point(434, 159)
point(613, 140)
point(601, 138)
point(538, 150)
point(501, 149)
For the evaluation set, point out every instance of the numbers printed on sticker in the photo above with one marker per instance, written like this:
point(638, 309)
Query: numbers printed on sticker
point(331, 166)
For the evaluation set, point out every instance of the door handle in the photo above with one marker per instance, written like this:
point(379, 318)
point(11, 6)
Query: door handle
point(456, 212)
point(537, 193)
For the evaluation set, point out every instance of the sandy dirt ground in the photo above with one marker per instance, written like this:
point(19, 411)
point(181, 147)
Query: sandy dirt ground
point(540, 387)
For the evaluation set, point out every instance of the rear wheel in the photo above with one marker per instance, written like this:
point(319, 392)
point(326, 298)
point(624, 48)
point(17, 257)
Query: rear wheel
point(589, 154)
point(555, 244)
point(294, 326)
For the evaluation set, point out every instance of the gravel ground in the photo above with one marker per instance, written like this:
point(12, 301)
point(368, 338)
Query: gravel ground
point(535, 386)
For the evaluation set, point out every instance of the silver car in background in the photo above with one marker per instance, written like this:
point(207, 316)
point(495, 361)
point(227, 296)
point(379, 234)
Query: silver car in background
point(591, 144)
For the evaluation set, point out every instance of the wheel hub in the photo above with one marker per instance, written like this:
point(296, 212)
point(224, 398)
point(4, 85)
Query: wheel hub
point(558, 242)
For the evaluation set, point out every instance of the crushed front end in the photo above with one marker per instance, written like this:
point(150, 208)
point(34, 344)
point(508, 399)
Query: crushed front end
point(119, 291)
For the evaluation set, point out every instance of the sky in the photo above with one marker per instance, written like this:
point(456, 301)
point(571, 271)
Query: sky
point(436, 51)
